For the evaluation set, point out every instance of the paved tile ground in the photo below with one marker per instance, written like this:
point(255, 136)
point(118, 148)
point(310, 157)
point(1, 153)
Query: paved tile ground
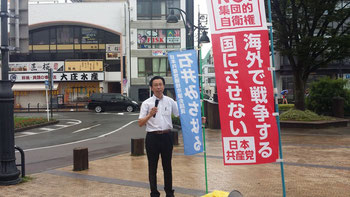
point(316, 164)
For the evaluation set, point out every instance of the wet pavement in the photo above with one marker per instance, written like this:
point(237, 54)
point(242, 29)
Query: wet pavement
point(316, 164)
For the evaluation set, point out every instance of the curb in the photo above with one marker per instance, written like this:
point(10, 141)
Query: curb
point(36, 126)
point(314, 124)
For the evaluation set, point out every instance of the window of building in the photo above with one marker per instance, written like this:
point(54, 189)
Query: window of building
point(211, 70)
point(153, 66)
point(77, 35)
point(211, 80)
point(40, 37)
point(89, 35)
point(53, 36)
point(56, 36)
point(158, 38)
point(64, 35)
point(156, 9)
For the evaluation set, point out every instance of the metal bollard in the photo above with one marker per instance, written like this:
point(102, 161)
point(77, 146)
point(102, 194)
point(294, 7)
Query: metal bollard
point(80, 159)
point(37, 106)
point(235, 193)
point(175, 136)
point(28, 107)
point(137, 146)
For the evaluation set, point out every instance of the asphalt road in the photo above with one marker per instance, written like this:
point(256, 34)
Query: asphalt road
point(104, 134)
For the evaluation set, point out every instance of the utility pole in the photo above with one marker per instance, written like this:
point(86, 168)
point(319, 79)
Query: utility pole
point(189, 24)
point(50, 73)
point(9, 174)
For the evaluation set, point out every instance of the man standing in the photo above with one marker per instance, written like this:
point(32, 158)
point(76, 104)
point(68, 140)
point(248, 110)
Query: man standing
point(156, 113)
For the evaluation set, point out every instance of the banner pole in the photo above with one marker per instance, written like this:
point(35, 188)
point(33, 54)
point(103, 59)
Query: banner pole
point(276, 103)
point(203, 126)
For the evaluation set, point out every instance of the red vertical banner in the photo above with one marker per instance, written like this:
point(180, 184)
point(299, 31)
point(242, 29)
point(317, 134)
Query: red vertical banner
point(244, 82)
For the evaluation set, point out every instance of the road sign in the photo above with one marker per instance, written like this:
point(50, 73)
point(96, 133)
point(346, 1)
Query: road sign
point(47, 84)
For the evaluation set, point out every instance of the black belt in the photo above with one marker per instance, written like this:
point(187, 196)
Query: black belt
point(160, 132)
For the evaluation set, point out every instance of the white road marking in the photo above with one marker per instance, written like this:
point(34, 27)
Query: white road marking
point(120, 113)
point(104, 135)
point(71, 122)
point(85, 140)
point(87, 128)
point(46, 129)
point(28, 133)
point(60, 125)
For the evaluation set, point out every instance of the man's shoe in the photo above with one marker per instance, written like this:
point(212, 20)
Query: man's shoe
point(170, 194)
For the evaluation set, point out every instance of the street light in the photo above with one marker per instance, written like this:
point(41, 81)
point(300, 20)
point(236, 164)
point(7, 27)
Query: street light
point(9, 174)
point(201, 29)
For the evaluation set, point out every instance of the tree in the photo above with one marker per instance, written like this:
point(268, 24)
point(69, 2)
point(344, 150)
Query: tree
point(311, 34)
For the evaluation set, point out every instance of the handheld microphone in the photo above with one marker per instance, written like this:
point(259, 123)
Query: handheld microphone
point(156, 105)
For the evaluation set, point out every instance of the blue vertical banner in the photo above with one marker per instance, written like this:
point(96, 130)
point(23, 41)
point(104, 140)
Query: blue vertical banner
point(184, 69)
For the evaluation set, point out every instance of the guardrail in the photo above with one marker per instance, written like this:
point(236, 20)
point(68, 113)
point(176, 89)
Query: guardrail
point(37, 107)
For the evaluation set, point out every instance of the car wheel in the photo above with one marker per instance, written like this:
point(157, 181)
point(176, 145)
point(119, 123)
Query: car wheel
point(129, 108)
point(98, 109)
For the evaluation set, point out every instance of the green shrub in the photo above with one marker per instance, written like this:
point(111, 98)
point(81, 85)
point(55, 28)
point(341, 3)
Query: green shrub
point(175, 120)
point(298, 115)
point(21, 122)
point(285, 107)
point(322, 93)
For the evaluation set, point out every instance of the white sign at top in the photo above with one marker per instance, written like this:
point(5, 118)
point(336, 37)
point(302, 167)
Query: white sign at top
point(36, 66)
point(236, 15)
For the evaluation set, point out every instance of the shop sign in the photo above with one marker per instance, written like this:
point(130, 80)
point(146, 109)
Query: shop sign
point(113, 48)
point(73, 66)
point(36, 66)
point(156, 40)
point(159, 52)
point(173, 40)
point(112, 56)
point(245, 92)
point(66, 76)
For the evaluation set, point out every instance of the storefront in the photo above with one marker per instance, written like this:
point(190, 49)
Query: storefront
point(74, 81)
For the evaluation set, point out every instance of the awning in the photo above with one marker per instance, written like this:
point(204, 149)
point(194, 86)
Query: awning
point(31, 87)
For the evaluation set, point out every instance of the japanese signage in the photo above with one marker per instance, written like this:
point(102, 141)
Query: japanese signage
point(71, 76)
point(238, 15)
point(185, 76)
point(113, 51)
point(113, 48)
point(159, 52)
point(35, 66)
point(244, 82)
point(83, 66)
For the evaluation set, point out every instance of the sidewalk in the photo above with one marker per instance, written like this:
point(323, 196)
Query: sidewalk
point(316, 164)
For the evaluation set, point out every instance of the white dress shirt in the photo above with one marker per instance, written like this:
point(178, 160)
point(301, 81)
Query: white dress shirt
point(162, 121)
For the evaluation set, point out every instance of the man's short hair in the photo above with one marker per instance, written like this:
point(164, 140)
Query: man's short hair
point(156, 77)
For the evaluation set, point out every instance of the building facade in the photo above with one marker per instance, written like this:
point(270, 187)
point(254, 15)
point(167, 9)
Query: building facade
point(151, 38)
point(87, 47)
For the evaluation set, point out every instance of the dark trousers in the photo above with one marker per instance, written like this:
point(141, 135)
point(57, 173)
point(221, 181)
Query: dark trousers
point(159, 144)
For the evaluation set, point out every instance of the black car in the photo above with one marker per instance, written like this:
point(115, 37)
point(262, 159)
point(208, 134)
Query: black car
point(100, 102)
